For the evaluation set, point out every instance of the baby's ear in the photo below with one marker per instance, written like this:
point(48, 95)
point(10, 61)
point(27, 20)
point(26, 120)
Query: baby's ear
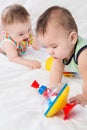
point(73, 37)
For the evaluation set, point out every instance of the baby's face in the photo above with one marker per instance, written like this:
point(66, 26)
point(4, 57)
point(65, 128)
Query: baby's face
point(58, 42)
point(19, 31)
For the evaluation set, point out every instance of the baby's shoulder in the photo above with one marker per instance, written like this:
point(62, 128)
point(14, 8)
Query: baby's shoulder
point(81, 45)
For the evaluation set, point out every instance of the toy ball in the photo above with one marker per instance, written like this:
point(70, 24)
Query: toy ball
point(48, 64)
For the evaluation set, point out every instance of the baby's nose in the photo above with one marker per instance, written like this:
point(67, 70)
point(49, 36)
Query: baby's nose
point(50, 51)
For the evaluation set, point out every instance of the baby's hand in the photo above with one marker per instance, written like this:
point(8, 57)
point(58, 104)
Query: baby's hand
point(33, 64)
point(79, 99)
point(35, 43)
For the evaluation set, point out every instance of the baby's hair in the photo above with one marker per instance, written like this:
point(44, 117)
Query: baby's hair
point(58, 15)
point(13, 14)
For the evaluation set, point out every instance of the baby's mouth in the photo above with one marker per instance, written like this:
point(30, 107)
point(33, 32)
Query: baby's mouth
point(55, 58)
point(25, 40)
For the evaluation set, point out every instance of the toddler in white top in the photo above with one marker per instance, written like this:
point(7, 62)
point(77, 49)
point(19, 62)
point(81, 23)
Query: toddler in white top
point(17, 35)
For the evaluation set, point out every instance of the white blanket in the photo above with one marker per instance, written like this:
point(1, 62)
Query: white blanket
point(20, 104)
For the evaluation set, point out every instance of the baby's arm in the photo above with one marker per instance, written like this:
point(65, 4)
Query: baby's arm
point(82, 65)
point(12, 54)
point(35, 43)
point(56, 73)
point(1, 30)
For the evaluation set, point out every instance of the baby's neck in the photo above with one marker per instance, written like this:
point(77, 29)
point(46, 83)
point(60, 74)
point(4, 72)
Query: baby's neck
point(71, 53)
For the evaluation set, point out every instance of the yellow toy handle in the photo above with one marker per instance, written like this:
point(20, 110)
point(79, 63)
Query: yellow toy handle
point(48, 66)
point(48, 63)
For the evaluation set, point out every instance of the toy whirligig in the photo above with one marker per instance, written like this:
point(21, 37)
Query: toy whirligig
point(48, 65)
point(56, 99)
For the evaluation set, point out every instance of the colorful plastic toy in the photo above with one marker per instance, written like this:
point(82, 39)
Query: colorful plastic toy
point(56, 100)
point(48, 65)
point(27, 43)
point(69, 74)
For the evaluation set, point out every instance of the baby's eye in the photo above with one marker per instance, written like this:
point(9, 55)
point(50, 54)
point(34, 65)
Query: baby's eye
point(54, 47)
point(21, 34)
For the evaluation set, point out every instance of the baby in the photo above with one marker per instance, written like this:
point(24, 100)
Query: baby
point(57, 30)
point(17, 35)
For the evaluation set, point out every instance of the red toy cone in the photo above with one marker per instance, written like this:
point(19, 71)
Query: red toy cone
point(67, 109)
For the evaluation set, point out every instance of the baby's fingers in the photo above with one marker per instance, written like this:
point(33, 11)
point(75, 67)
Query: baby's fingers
point(74, 100)
point(36, 65)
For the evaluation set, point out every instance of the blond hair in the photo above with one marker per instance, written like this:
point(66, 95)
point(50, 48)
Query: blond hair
point(13, 14)
point(60, 16)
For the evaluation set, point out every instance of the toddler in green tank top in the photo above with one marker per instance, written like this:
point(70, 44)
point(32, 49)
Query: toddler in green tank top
point(57, 30)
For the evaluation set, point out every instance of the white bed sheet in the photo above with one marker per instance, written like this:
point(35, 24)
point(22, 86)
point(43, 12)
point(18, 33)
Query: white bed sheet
point(21, 105)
